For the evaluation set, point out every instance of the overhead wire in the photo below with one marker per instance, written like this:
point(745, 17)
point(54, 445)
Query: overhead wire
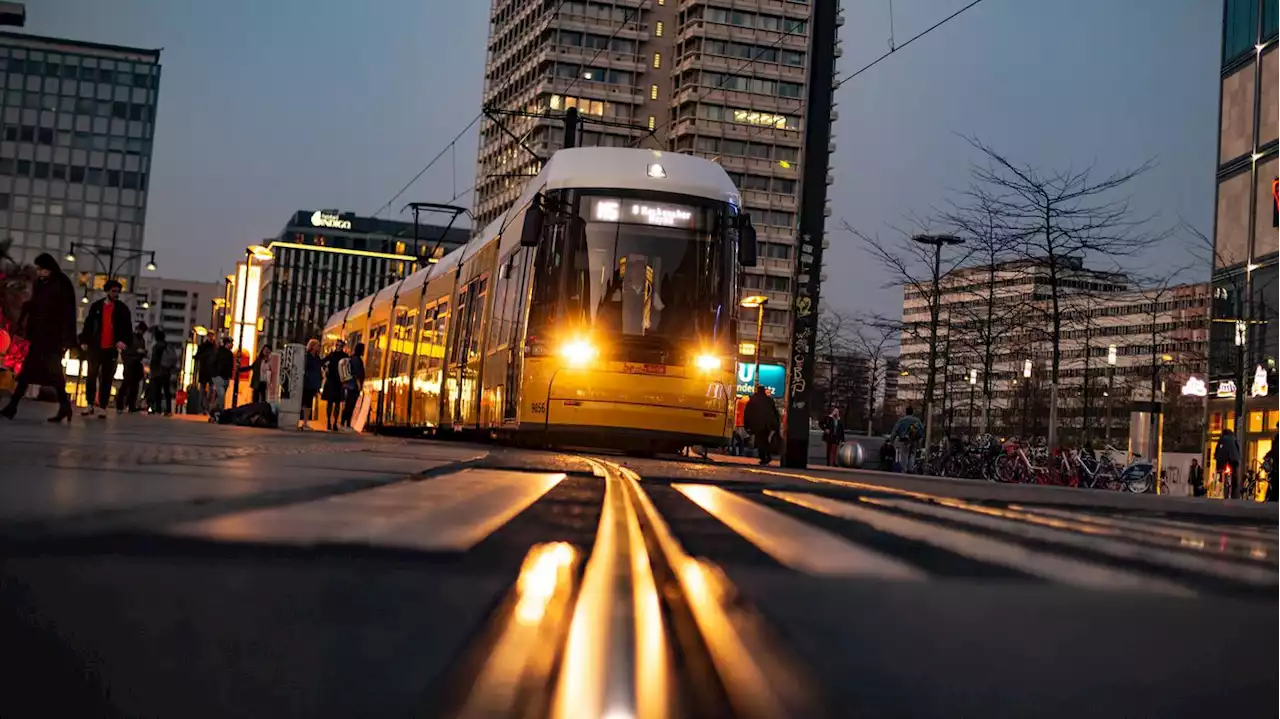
point(429, 164)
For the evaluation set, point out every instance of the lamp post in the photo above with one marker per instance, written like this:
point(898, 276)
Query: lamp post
point(935, 306)
point(109, 265)
point(757, 302)
point(250, 252)
point(1111, 387)
point(973, 385)
point(1026, 395)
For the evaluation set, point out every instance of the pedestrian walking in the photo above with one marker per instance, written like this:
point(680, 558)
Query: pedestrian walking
point(48, 322)
point(832, 435)
point(354, 385)
point(333, 385)
point(761, 419)
point(164, 366)
point(107, 330)
point(223, 367)
point(1227, 456)
point(905, 436)
point(134, 356)
point(312, 377)
point(203, 360)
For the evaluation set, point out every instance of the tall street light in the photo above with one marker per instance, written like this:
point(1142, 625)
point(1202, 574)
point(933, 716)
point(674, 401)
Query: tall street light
point(1111, 386)
point(935, 305)
point(757, 302)
point(251, 253)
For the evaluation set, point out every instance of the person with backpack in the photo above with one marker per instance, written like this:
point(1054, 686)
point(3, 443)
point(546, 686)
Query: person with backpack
point(905, 436)
point(164, 365)
point(761, 419)
point(353, 382)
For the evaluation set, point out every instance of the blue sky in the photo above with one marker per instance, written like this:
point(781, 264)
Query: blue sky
point(268, 107)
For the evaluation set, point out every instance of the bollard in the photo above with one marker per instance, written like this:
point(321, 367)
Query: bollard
point(850, 455)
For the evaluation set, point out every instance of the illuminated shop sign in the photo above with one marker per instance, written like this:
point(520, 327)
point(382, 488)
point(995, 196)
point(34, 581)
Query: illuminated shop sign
point(1195, 387)
point(1259, 388)
point(643, 213)
point(320, 218)
point(1227, 388)
point(772, 376)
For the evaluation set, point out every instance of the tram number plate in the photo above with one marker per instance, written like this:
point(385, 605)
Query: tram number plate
point(539, 407)
point(644, 368)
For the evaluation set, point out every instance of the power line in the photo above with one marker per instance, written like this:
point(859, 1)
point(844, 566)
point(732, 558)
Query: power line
point(915, 37)
point(873, 63)
point(429, 165)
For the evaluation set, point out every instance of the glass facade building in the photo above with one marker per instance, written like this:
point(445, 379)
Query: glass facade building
point(325, 260)
point(78, 120)
point(1243, 333)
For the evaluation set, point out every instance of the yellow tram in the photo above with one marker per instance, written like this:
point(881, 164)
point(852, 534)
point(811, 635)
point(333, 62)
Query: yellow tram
point(599, 311)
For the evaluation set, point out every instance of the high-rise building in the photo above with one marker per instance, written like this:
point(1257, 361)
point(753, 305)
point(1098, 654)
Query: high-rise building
point(75, 153)
point(723, 79)
point(176, 306)
point(1244, 333)
point(324, 260)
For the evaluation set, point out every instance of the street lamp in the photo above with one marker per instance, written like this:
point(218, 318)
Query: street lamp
point(1112, 354)
point(1026, 395)
point(251, 253)
point(973, 385)
point(109, 264)
point(935, 306)
point(757, 302)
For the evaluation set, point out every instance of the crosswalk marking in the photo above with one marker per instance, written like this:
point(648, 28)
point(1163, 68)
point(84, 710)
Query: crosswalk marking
point(1205, 538)
point(983, 548)
point(449, 513)
point(794, 543)
point(1079, 535)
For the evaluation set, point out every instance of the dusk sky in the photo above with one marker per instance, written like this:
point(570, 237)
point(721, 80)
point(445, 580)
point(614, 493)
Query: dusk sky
point(268, 107)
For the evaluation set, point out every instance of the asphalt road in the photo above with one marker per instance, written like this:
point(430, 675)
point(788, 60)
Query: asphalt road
point(161, 568)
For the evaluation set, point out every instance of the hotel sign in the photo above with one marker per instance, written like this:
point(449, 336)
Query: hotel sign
point(319, 218)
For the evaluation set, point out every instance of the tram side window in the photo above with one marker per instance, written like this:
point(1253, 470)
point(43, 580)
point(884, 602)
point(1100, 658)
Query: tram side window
point(377, 344)
point(442, 327)
point(547, 264)
point(474, 335)
point(426, 342)
point(514, 305)
point(455, 342)
point(500, 289)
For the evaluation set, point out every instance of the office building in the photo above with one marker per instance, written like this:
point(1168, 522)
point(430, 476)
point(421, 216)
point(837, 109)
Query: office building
point(1242, 358)
point(1115, 339)
point(722, 80)
point(177, 306)
point(75, 153)
point(324, 260)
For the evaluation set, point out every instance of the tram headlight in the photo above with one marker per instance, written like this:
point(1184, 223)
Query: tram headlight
point(578, 353)
point(708, 362)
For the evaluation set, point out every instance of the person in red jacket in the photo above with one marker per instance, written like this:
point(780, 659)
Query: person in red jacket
point(108, 329)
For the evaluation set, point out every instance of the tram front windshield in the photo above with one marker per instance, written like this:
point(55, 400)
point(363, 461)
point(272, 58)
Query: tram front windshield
point(654, 274)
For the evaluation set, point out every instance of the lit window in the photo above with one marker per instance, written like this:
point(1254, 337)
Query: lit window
point(653, 92)
point(652, 123)
point(661, 3)
point(657, 59)
point(657, 29)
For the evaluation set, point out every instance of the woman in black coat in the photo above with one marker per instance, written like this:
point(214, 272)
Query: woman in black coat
point(49, 318)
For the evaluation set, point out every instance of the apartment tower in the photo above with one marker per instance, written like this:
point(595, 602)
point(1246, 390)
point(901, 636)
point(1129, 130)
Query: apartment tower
point(722, 79)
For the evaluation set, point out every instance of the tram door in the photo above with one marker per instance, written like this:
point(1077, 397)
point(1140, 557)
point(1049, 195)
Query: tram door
point(464, 354)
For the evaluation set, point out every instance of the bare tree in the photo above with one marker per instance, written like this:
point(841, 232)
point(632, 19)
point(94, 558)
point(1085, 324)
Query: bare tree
point(918, 269)
point(1058, 217)
point(874, 339)
point(831, 345)
point(986, 317)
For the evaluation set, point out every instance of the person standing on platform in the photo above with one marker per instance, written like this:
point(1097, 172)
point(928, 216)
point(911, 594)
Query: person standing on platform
point(133, 357)
point(108, 329)
point(49, 319)
point(333, 385)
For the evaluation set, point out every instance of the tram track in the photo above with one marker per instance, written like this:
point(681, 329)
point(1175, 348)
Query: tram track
point(635, 628)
